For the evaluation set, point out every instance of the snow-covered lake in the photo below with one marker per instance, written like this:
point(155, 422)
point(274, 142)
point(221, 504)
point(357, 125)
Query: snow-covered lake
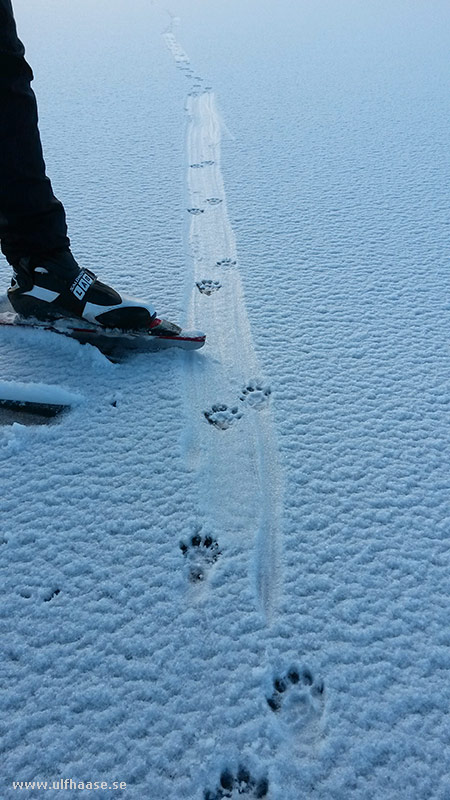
point(227, 573)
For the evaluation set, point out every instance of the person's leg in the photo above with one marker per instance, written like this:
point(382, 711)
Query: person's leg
point(32, 220)
point(47, 281)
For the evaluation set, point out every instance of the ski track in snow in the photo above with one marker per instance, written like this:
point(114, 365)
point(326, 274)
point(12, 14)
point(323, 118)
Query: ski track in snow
point(250, 449)
point(230, 446)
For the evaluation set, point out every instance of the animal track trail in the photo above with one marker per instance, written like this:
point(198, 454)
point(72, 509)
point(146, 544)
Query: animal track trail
point(298, 699)
point(252, 447)
point(200, 553)
point(243, 783)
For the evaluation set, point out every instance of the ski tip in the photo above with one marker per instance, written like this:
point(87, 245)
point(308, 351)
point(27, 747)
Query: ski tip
point(33, 407)
point(197, 336)
point(27, 400)
point(190, 340)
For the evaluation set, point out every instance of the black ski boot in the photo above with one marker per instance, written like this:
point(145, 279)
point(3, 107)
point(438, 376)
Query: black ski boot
point(53, 286)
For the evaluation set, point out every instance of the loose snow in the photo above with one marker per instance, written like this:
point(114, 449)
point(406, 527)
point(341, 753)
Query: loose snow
point(225, 573)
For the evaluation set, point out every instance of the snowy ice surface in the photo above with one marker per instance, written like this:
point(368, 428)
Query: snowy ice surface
point(227, 573)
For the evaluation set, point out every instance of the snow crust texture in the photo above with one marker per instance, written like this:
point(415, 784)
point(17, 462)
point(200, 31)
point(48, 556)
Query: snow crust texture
point(225, 574)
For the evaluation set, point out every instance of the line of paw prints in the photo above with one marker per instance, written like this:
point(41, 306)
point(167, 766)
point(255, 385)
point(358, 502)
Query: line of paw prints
point(183, 64)
point(242, 783)
point(198, 88)
point(201, 552)
point(302, 679)
point(255, 394)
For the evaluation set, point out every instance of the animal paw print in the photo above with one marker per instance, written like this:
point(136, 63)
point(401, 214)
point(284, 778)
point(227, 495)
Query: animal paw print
point(223, 417)
point(51, 594)
point(242, 784)
point(201, 553)
point(196, 211)
point(255, 394)
point(208, 287)
point(214, 201)
point(202, 164)
point(226, 262)
point(298, 696)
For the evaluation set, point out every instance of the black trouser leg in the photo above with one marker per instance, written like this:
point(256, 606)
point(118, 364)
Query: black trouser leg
point(32, 220)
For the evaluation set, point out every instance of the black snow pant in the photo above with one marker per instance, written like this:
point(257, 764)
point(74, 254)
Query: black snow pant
point(32, 220)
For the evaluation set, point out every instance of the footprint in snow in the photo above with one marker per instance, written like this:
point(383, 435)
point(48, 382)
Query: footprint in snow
point(51, 594)
point(196, 211)
point(298, 698)
point(240, 784)
point(223, 417)
point(202, 164)
point(48, 596)
point(214, 201)
point(256, 394)
point(226, 262)
point(200, 554)
point(208, 287)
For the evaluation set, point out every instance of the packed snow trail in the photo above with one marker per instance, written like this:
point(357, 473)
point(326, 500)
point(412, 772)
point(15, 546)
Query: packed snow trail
point(228, 388)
